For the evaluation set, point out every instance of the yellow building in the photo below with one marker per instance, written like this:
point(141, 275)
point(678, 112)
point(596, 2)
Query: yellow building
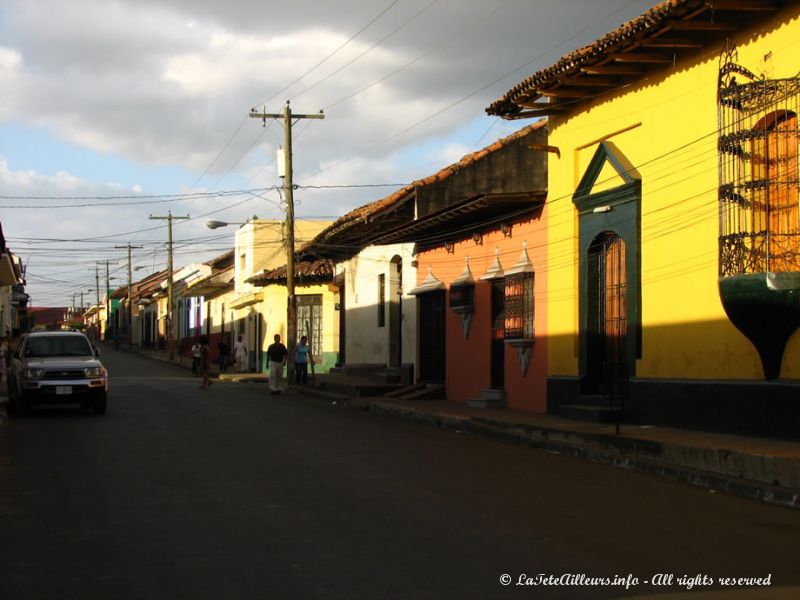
point(317, 308)
point(672, 211)
point(260, 248)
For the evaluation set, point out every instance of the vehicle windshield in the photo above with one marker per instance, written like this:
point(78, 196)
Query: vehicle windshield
point(67, 345)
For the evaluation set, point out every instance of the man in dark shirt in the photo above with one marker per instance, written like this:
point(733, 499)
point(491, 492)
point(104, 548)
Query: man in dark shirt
point(276, 356)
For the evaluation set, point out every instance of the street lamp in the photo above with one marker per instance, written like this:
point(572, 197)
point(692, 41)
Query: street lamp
point(218, 224)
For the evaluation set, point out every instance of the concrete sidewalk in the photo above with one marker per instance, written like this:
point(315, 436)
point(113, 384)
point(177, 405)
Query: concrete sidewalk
point(760, 468)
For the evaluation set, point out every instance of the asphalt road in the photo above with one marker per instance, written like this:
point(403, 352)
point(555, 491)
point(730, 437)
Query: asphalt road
point(233, 493)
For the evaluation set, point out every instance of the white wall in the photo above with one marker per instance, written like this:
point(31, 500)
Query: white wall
point(366, 342)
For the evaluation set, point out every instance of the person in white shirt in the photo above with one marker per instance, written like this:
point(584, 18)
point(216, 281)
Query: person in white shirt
point(240, 355)
point(197, 355)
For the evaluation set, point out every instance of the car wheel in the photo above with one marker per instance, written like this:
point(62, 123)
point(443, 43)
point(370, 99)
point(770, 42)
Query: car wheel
point(99, 404)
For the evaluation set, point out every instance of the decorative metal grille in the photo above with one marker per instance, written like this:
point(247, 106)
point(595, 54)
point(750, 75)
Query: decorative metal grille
point(462, 296)
point(519, 306)
point(758, 171)
point(309, 320)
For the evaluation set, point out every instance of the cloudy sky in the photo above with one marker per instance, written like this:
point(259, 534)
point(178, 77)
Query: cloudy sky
point(115, 110)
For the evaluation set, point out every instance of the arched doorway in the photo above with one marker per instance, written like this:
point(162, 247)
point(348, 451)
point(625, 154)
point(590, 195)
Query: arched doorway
point(395, 311)
point(607, 326)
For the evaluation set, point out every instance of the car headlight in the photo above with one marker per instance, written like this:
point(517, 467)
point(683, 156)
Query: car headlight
point(34, 373)
point(94, 371)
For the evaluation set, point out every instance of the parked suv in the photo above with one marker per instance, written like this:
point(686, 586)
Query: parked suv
point(56, 367)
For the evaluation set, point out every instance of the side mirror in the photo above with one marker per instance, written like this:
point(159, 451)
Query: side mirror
point(96, 351)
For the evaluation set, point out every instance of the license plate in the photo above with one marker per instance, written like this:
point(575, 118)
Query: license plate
point(63, 390)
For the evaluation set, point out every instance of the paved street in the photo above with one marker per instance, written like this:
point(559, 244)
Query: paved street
point(232, 493)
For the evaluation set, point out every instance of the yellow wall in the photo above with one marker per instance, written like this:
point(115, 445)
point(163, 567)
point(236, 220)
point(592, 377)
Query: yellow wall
point(274, 310)
point(215, 308)
point(666, 127)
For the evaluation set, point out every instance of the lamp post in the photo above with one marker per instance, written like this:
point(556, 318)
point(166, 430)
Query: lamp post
point(217, 224)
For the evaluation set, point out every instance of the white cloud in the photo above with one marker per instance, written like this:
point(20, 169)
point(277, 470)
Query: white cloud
point(169, 83)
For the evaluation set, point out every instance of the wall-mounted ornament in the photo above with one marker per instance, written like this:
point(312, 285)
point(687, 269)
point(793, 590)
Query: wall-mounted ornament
point(524, 350)
point(462, 297)
point(523, 264)
point(495, 270)
point(429, 284)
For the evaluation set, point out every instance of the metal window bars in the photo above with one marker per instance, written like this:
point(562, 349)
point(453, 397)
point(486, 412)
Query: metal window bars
point(758, 135)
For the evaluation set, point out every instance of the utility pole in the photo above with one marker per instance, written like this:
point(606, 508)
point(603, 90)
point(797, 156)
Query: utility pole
point(170, 333)
point(288, 187)
point(108, 296)
point(97, 293)
point(129, 312)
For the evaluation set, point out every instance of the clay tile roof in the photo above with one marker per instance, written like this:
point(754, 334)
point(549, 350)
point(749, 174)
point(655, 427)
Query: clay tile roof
point(362, 213)
point(306, 271)
point(661, 19)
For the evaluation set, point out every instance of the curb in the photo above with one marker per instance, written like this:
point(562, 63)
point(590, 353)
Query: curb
point(646, 456)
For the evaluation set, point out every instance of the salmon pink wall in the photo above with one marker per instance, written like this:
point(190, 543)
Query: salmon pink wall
point(468, 361)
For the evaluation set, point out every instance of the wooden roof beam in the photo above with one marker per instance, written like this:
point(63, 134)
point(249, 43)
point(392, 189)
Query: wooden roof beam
point(668, 42)
point(591, 80)
point(641, 57)
point(565, 93)
point(612, 70)
point(745, 5)
point(699, 26)
point(542, 106)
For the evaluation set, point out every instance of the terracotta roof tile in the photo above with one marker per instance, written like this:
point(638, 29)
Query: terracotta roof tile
point(360, 214)
point(305, 271)
point(653, 20)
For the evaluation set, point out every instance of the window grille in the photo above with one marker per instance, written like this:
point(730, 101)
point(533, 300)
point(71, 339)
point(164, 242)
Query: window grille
point(758, 171)
point(518, 323)
point(309, 320)
point(462, 296)
point(382, 300)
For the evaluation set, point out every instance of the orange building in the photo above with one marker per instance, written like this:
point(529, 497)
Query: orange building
point(480, 237)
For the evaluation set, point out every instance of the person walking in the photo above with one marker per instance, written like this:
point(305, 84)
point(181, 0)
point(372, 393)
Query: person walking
point(197, 352)
point(302, 357)
point(276, 357)
point(240, 354)
point(204, 363)
point(223, 351)
point(3, 358)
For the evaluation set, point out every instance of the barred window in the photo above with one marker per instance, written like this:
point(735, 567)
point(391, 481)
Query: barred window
point(382, 300)
point(309, 320)
point(462, 296)
point(519, 306)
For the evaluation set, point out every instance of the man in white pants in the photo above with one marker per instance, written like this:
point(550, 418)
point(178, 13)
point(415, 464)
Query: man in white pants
point(240, 355)
point(276, 355)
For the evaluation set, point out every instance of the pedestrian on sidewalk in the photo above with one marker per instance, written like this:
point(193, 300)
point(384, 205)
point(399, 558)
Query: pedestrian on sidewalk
point(3, 357)
point(197, 354)
point(223, 352)
point(204, 363)
point(302, 357)
point(276, 359)
point(240, 354)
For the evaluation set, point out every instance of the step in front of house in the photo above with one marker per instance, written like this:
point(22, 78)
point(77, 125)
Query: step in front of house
point(591, 413)
point(426, 392)
point(489, 399)
point(592, 400)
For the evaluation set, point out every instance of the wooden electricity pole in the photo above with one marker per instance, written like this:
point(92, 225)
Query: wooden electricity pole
point(108, 297)
point(170, 333)
point(288, 187)
point(129, 316)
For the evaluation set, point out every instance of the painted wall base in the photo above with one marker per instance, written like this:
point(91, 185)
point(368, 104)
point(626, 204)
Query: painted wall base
point(756, 408)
